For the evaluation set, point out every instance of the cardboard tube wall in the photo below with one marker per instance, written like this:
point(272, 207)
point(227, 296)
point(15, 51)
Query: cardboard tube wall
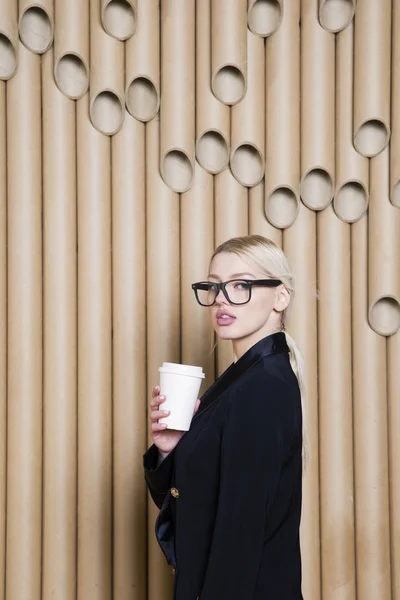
point(8, 39)
point(3, 332)
point(177, 99)
point(229, 50)
point(197, 246)
point(370, 434)
point(264, 16)
point(317, 110)
point(372, 76)
point(71, 47)
point(393, 380)
point(336, 15)
point(248, 119)
point(212, 116)
point(129, 359)
point(107, 65)
point(142, 63)
point(395, 137)
point(94, 360)
point(24, 313)
point(162, 222)
point(299, 245)
point(352, 169)
point(36, 24)
point(383, 251)
point(60, 338)
point(282, 167)
point(119, 18)
point(335, 407)
point(258, 223)
point(231, 220)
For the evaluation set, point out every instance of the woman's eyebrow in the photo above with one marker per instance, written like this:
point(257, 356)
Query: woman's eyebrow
point(234, 276)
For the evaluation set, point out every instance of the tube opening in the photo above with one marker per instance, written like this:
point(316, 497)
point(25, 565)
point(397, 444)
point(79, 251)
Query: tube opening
point(371, 138)
point(264, 17)
point(177, 171)
point(335, 15)
point(8, 58)
point(350, 202)
point(229, 85)
point(247, 165)
point(212, 152)
point(395, 195)
point(316, 189)
point(36, 30)
point(107, 112)
point(384, 316)
point(71, 75)
point(119, 19)
point(142, 99)
point(282, 207)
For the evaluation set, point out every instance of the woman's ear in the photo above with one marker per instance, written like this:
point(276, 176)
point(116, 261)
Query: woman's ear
point(282, 298)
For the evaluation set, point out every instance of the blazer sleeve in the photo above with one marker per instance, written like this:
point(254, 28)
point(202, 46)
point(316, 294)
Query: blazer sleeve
point(158, 477)
point(256, 436)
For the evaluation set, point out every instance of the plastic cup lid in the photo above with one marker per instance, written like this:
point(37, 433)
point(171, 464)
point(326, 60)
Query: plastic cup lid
point(178, 369)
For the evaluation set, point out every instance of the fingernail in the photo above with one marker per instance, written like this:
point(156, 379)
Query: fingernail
point(162, 397)
point(164, 425)
point(165, 412)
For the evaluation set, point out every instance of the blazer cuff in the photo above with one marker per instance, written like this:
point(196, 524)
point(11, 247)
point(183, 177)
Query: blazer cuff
point(158, 476)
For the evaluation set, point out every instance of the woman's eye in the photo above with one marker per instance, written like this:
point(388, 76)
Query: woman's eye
point(241, 285)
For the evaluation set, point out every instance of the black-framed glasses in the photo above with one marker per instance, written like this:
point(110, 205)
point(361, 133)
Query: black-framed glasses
point(236, 291)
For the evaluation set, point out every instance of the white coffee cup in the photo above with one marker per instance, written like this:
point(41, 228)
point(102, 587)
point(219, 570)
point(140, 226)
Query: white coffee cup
point(180, 384)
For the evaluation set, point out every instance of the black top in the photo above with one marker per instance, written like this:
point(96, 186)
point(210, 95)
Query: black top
point(230, 492)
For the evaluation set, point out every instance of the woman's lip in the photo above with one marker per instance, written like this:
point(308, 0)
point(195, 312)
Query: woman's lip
point(220, 313)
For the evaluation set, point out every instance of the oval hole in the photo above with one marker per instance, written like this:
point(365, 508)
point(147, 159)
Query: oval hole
point(119, 19)
point(282, 207)
point(384, 316)
point(107, 112)
point(8, 58)
point(177, 171)
point(142, 99)
point(71, 75)
point(371, 138)
point(335, 15)
point(395, 195)
point(247, 165)
point(229, 85)
point(316, 189)
point(212, 152)
point(264, 17)
point(36, 30)
point(350, 202)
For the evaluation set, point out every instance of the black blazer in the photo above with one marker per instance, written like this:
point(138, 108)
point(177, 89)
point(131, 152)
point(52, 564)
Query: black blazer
point(230, 492)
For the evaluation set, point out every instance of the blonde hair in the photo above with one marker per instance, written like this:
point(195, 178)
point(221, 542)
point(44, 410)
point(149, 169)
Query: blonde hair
point(270, 259)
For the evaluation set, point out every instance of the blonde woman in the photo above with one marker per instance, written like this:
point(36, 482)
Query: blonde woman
point(229, 490)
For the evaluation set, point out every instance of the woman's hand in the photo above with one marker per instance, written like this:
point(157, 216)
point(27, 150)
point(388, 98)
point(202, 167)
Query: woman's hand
point(165, 439)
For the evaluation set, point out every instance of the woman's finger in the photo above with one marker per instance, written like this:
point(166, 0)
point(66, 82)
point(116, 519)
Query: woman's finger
point(158, 426)
point(158, 414)
point(156, 401)
point(156, 391)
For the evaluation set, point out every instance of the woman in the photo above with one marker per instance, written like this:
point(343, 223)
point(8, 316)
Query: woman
point(229, 490)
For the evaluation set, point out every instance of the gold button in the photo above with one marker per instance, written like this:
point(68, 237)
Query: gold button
point(174, 492)
point(173, 571)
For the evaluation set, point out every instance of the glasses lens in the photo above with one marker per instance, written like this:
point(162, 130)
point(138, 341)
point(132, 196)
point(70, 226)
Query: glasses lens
point(206, 293)
point(238, 291)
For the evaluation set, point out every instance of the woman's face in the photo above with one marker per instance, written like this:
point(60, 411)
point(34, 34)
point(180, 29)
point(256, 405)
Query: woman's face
point(248, 322)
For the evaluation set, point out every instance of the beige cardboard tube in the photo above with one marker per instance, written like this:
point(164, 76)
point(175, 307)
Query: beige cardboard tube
point(299, 245)
point(282, 167)
point(212, 116)
point(197, 246)
point(177, 99)
point(335, 406)
point(248, 119)
point(107, 66)
point(264, 16)
point(36, 24)
point(162, 216)
point(229, 50)
point(370, 434)
point(372, 76)
point(60, 337)
point(129, 359)
point(94, 561)
point(119, 18)
point(352, 169)
point(142, 58)
point(71, 47)
point(3, 333)
point(383, 251)
point(231, 220)
point(335, 15)
point(24, 350)
point(317, 110)
point(393, 379)
point(258, 223)
point(8, 39)
point(395, 137)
